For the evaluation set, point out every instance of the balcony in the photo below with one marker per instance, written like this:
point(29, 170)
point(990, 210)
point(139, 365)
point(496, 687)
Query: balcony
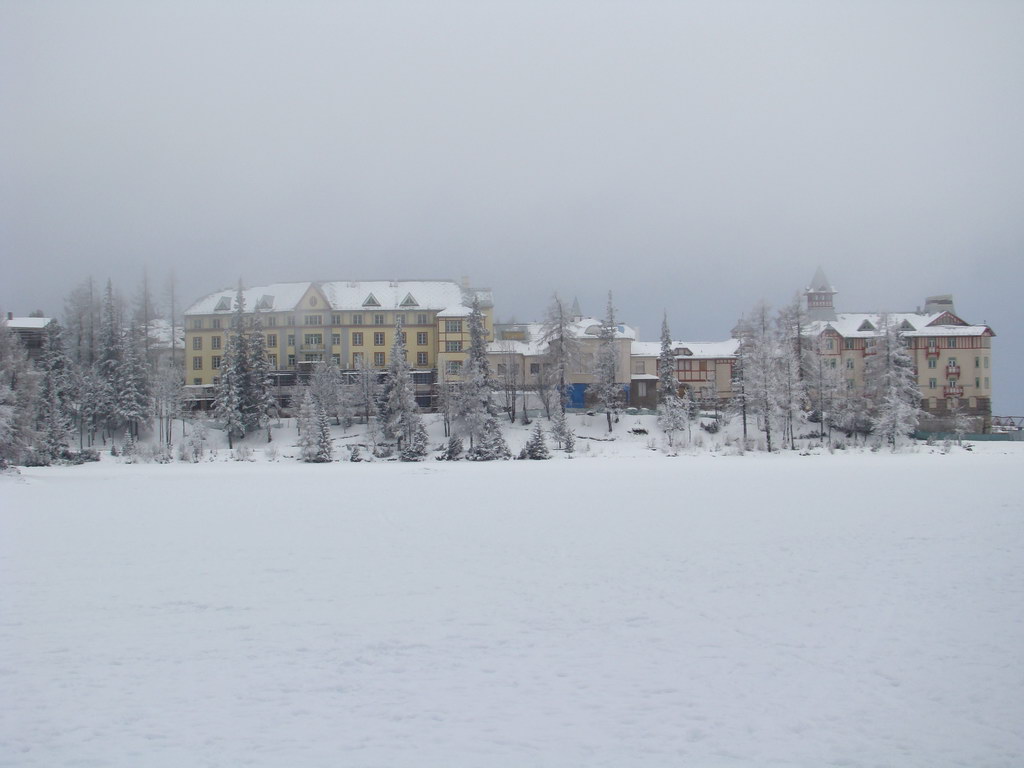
point(953, 391)
point(953, 371)
point(933, 352)
point(312, 347)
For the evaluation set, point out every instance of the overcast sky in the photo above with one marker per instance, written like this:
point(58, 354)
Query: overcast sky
point(690, 156)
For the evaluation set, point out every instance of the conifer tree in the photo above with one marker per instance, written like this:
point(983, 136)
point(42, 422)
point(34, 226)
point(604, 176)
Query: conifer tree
point(309, 435)
point(475, 406)
point(536, 448)
point(673, 411)
point(131, 385)
point(400, 412)
point(324, 444)
point(490, 445)
point(109, 359)
point(416, 447)
point(231, 403)
point(54, 417)
point(607, 390)
point(561, 432)
point(260, 400)
point(19, 394)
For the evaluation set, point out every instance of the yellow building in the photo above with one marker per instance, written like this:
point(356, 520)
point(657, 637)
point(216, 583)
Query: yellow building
point(341, 322)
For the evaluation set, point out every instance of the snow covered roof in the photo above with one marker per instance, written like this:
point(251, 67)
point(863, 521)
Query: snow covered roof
point(28, 323)
point(868, 324)
point(688, 349)
point(408, 295)
point(515, 347)
point(455, 311)
point(160, 334)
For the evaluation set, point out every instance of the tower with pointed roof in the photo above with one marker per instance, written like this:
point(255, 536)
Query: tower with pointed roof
point(819, 295)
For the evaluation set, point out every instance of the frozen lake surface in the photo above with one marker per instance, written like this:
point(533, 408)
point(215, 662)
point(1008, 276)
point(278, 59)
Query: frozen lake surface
point(847, 610)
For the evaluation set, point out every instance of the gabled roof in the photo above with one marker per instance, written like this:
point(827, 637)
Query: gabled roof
point(351, 296)
point(913, 324)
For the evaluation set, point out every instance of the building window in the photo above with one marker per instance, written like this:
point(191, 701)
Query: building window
point(952, 342)
point(291, 339)
point(216, 363)
point(421, 319)
point(216, 323)
point(197, 322)
point(421, 338)
point(534, 369)
point(197, 363)
point(453, 346)
point(830, 344)
point(215, 342)
point(502, 369)
point(932, 383)
point(312, 339)
point(986, 382)
point(357, 339)
point(357, 359)
point(378, 319)
point(378, 358)
point(454, 367)
point(336, 319)
point(977, 382)
point(638, 366)
point(271, 321)
point(933, 362)
point(641, 389)
point(952, 361)
point(849, 363)
point(336, 359)
point(378, 339)
point(453, 326)
point(986, 362)
point(291, 361)
point(357, 319)
point(399, 318)
point(849, 383)
point(197, 342)
point(832, 363)
point(847, 343)
point(197, 382)
point(271, 339)
point(335, 339)
point(273, 360)
point(421, 359)
point(313, 320)
point(290, 320)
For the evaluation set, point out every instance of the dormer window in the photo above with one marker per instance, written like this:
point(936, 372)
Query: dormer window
point(866, 326)
point(409, 301)
point(223, 305)
point(371, 301)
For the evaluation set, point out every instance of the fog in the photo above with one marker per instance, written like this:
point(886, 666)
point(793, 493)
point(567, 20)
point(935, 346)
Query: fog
point(692, 157)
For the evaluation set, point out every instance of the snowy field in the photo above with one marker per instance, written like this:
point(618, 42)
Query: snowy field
point(848, 610)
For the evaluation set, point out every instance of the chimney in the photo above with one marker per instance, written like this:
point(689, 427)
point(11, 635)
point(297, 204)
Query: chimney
point(10, 315)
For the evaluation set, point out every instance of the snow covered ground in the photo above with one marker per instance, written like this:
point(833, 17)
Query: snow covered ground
point(854, 609)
